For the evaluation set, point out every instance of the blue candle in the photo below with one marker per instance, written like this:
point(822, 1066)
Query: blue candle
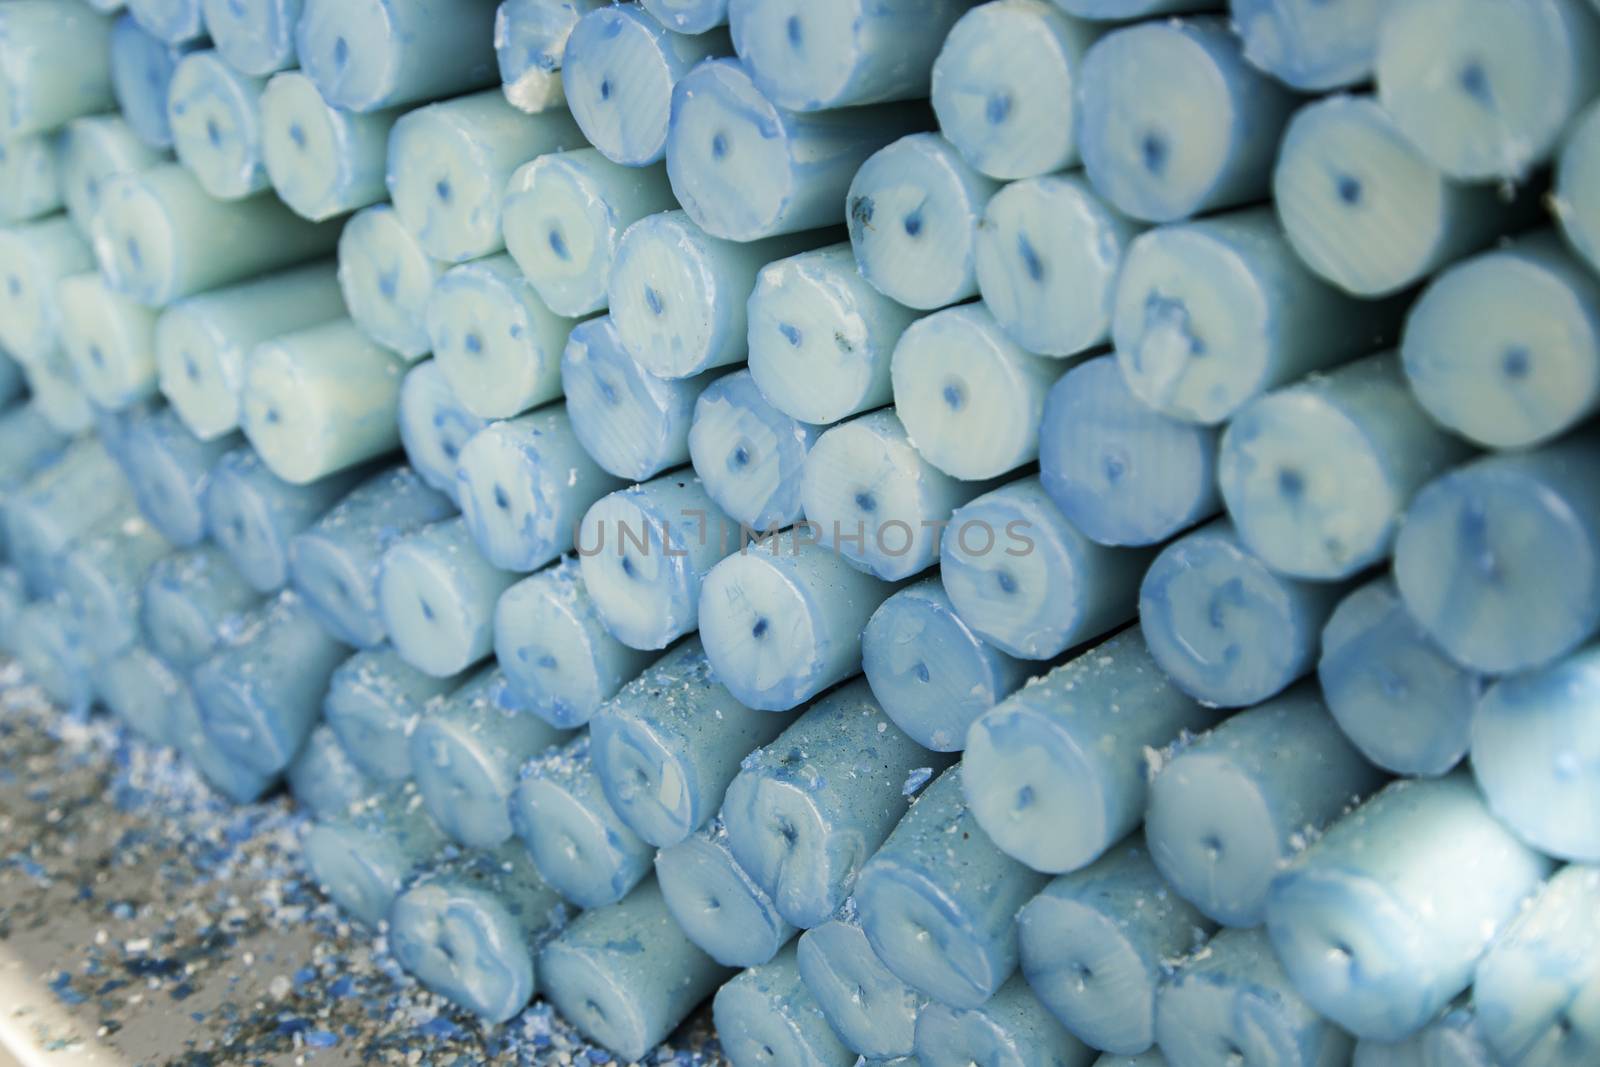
point(1307, 47)
point(1576, 207)
point(201, 342)
point(1230, 287)
point(1394, 693)
point(30, 177)
point(320, 401)
point(783, 624)
point(1096, 943)
point(54, 62)
point(1533, 748)
point(159, 236)
point(466, 753)
point(524, 486)
point(1027, 580)
point(645, 551)
point(322, 160)
point(78, 491)
point(625, 975)
point(141, 690)
point(436, 598)
point(1512, 378)
point(930, 671)
point(194, 602)
point(716, 904)
point(255, 36)
point(619, 67)
point(556, 653)
point(1487, 93)
point(50, 646)
point(1232, 999)
point(1059, 772)
point(1379, 922)
point(230, 777)
point(434, 426)
point(324, 780)
point(364, 859)
point(820, 337)
point(449, 164)
point(1473, 559)
point(28, 444)
point(374, 701)
point(33, 258)
point(578, 843)
point(939, 901)
point(563, 218)
point(386, 278)
point(173, 21)
point(1230, 632)
point(667, 745)
point(261, 695)
point(215, 115)
point(868, 1007)
point(109, 341)
point(530, 37)
point(141, 70)
point(334, 561)
point(252, 515)
point(1006, 86)
point(57, 396)
point(469, 928)
point(91, 150)
point(769, 1007)
point(13, 598)
point(751, 456)
point(370, 54)
point(1012, 1024)
point(743, 167)
point(689, 16)
point(12, 383)
point(102, 580)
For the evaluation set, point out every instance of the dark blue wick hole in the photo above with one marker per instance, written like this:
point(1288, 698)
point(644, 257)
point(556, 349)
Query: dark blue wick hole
point(297, 134)
point(719, 147)
point(341, 52)
point(97, 356)
point(794, 30)
point(759, 630)
point(605, 88)
point(1005, 581)
point(652, 299)
point(1475, 82)
point(866, 501)
point(191, 368)
point(442, 189)
point(1291, 483)
point(502, 499)
point(913, 224)
point(921, 672)
point(998, 108)
point(213, 133)
point(1153, 150)
point(427, 610)
point(1030, 258)
point(558, 245)
point(1516, 362)
point(473, 343)
point(790, 333)
point(1349, 189)
point(955, 395)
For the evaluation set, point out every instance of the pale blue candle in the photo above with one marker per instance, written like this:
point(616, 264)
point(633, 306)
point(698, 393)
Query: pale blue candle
point(194, 602)
point(434, 426)
point(334, 560)
point(436, 598)
point(140, 689)
point(1058, 772)
point(469, 929)
point(28, 444)
point(215, 115)
point(782, 622)
point(449, 164)
point(173, 21)
point(1027, 580)
point(556, 653)
point(872, 494)
point(496, 341)
point(255, 36)
point(365, 858)
point(108, 340)
point(1504, 348)
point(524, 486)
point(82, 489)
point(1534, 746)
point(33, 258)
point(370, 54)
point(233, 779)
point(324, 780)
point(1229, 631)
point(1308, 45)
point(386, 278)
point(807, 810)
point(322, 160)
point(1476, 557)
point(141, 70)
point(689, 16)
point(466, 752)
point(870, 1009)
point(252, 514)
point(159, 236)
point(625, 975)
point(13, 598)
point(1011, 1025)
point(645, 552)
point(751, 456)
point(530, 37)
point(1395, 694)
point(579, 845)
point(668, 743)
point(679, 295)
point(821, 338)
point(969, 396)
point(1487, 92)
point(57, 396)
point(1317, 475)
point(50, 646)
point(54, 59)
point(30, 177)
point(92, 149)
point(320, 400)
point(102, 581)
point(716, 904)
point(618, 70)
point(1531, 990)
point(1210, 314)
point(768, 1007)
point(933, 675)
point(12, 383)
point(939, 901)
point(1232, 1000)
point(1006, 86)
point(744, 167)
point(1096, 943)
point(261, 694)
point(1380, 921)
point(201, 341)
point(1577, 173)
point(374, 701)
point(563, 218)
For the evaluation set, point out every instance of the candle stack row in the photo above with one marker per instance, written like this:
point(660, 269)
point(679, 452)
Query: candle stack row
point(965, 532)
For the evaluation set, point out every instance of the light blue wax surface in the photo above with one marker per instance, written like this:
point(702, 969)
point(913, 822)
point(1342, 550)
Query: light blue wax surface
point(1454, 1039)
point(143, 691)
point(51, 646)
point(434, 426)
point(716, 903)
point(688, 16)
point(30, 177)
point(254, 36)
point(234, 779)
point(215, 115)
point(28, 444)
point(80, 490)
point(91, 149)
point(1012, 1028)
point(1120, 10)
point(56, 394)
point(364, 858)
point(530, 37)
point(141, 70)
point(322, 160)
point(871, 1010)
point(173, 21)
point(374, 701)
point(33, 258)
point(194, 602)
point(13, 599)
point(169, 469)
point(102, 580)
point(53, 65)
point(1309, 45)
point(370, 54)
point(769, 1007)
point(751, 457)
point(1577, 207)
point(386, 278)
point(109, 342)
point(436, 597)
point(323, 780)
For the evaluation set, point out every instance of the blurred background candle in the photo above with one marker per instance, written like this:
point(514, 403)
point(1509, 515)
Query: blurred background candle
point(255, 36)
point(56, 394)
point(141, 70)
point(233, 779)
point(872, 1011)
point(716, 903)
point(434, 426)
point(363, 859)
point(750, 456)
point(1306, 46)
point(769, 1007)
point(530, 38)
point(436, 597)
point(215, 115)
point(53, 58)
point(169, 469)
point(80, 490)
point(174, 21)
point(323, 780)
point(369, 54)
point(109, 341)
point(30, 169)
point(140, 689)
point(91, 149)
point(102, 578)
point(33, 259)
point(1012, 1023)
point(28, 444)
point(386, 278)
point(322, 161)
point(373, 703)
point(194, 602)
point(689, 16)
point(50, 646)
point(1575, 205)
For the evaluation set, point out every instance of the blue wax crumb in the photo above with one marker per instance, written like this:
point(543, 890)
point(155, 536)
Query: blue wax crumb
point(916, 780)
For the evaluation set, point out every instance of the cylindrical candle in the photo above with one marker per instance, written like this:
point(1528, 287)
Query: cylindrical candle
point(102, 579)
point(870, 1009)
point(49, 643)
point(1230, 632)
point(370, 54)
point(12, 382)
point(141, 70)
point(768, 1007)
point(174, 21)
point(28, 444)
point(434, 426)
point(53, 65)
point(92, 149)
point(109, 341)
point(751, 456)
point(716, 903)
point(57, 396)
point(688, 16)
point(1057, 773)
point(170, 469)
point(1379, 922)
point(30, 177)
point(386, 278)
point(194, 602)
point(215, 115)
point(140, 689)
point(33, 258)
point(323, 780)
point(374, 701)
point(322, 160)
point(321, 400)
point(1010, 1027)
point(436, 597)
point(744, 167)
point(254, 36)
point(365, 858)
point(1308, 46)
point(530, 37)
point(80, 490)
point(1576, 206)
point(234, 779)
